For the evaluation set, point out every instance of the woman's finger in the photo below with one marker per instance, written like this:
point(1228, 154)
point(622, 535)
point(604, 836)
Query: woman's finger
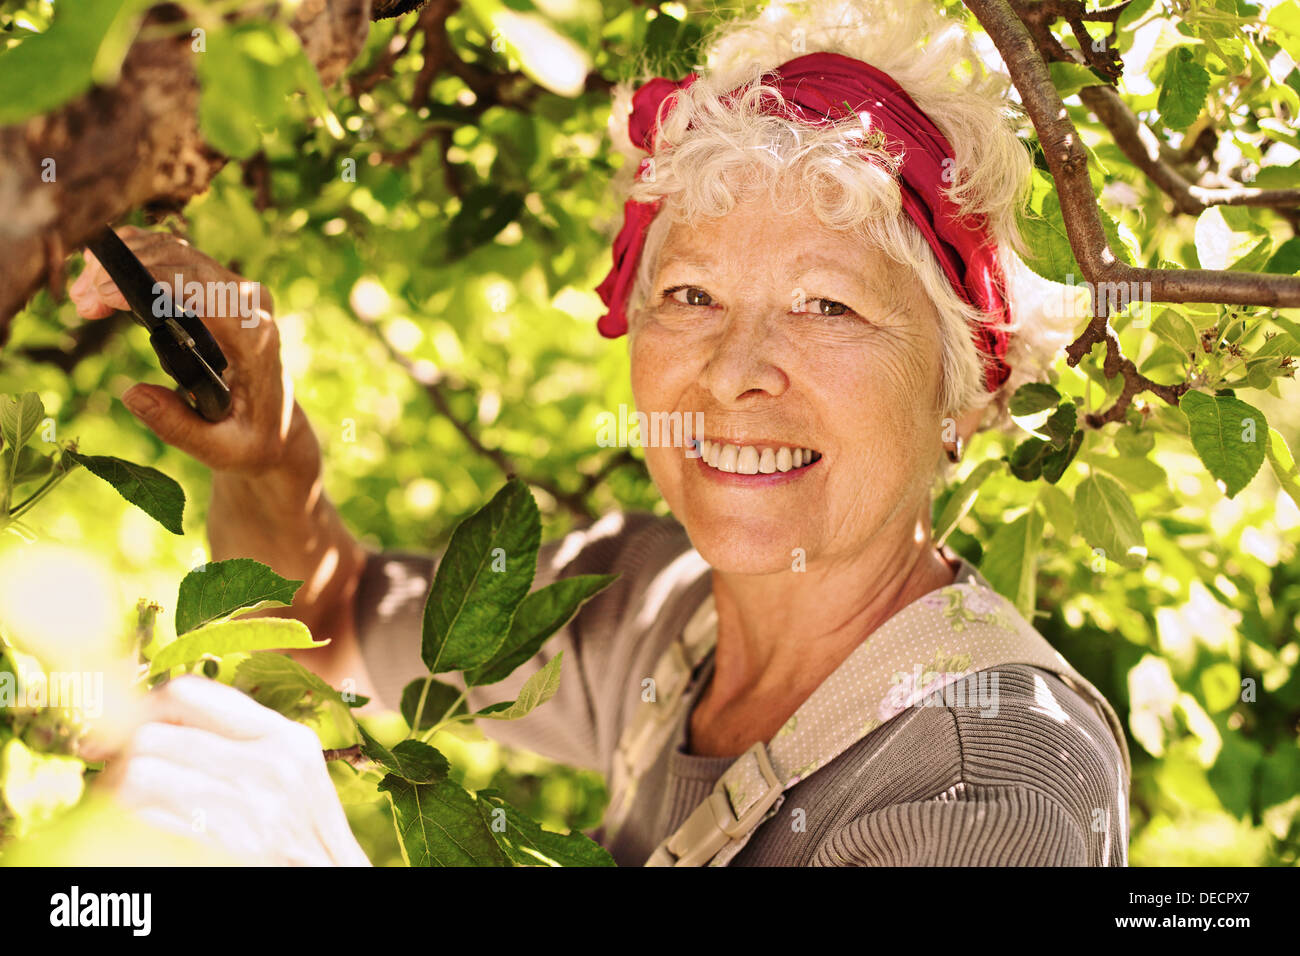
point(172, 419)
point(83, 293)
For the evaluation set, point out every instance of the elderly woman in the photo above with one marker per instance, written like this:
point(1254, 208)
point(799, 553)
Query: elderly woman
point(817, 259)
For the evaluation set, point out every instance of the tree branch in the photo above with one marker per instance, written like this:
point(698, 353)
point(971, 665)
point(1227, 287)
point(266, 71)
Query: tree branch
point(1068, 162)
point(1116, 363)
point(351, 755)
point(1132, 136)
point(137, 143)
point(88, 339)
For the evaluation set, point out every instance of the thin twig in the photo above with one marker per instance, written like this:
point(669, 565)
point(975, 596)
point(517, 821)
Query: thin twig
point(1135, 139)
point(351, 755)
point(1067, 160)
point(575, 503)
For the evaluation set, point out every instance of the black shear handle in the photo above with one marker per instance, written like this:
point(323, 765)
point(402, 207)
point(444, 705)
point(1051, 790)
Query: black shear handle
point(186, 349)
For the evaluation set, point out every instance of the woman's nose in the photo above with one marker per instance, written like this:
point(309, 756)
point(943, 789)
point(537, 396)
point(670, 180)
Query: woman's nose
point(744, 360)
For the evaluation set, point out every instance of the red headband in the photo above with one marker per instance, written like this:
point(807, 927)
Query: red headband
point(818, 88)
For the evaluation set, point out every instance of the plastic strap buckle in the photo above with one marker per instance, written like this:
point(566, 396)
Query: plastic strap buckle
point(714, 823)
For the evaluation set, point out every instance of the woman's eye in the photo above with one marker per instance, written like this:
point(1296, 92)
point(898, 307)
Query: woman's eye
point(689, 295)
point(827, 307)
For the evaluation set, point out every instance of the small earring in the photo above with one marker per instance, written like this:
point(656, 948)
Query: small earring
point(954, 454)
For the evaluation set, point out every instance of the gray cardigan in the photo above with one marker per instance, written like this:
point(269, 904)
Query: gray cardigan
point(1039, 784)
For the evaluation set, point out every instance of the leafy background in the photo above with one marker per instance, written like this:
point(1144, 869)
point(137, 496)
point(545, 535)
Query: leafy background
point(459, 268)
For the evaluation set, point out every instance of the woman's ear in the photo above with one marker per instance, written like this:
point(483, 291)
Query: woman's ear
point(969, 421)
point(956, 432)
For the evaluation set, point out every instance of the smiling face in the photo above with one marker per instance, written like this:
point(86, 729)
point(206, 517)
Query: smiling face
point(786, 334)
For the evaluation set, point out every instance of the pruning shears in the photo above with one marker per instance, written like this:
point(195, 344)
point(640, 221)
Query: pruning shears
point(186, 349)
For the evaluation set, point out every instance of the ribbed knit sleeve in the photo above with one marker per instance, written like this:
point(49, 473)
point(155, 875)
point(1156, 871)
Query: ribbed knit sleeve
point(999, 826)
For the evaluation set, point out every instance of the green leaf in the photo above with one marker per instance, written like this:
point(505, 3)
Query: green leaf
point(1218, 243)
point(147, 488)
point(437, 701)
point(1173, 327)
point(1058, 509)
point(1185, 87)
point(247, 75)
point(1061, 425)
point(285, 686)
point(220, 588)
point(88, 38)
point(1255, 259)
point(963, 499)
point(412, 760)
point(1291, 328)
point(1138, 473)
point(440, 824)
point(20, 417)
point(527, 844)
point(1070, 78)
point(1283, 464)
point(1058, 459)
point(32, 465)
point(1132, 13)
point(1026, 460)
point(483, 576)
point(228, 637)
point(1010, 562)
point(1121, 249)
point(1228, 435)
point(1134, 442)
point(545, 55)
point(1286, 258)
point(1047, 243)
point(537, 690)
point(540, 615)
point(1032, 398)
point(1284, 18)
point(1107, 520)
point(1280, 344)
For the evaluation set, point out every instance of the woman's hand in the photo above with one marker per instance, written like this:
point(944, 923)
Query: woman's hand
point(262, 432)
point(267, 497)
point(212, 764)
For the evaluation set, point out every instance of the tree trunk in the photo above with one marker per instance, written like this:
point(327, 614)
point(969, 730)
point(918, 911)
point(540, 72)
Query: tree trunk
point(133, 144)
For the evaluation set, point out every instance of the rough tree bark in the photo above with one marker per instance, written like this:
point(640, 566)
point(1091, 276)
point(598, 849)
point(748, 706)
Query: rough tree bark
point(134, 144)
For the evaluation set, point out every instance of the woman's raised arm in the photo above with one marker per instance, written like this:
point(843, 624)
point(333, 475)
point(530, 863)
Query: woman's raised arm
point(268, 501)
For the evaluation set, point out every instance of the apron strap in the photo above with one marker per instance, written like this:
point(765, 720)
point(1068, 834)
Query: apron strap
point(945, 636)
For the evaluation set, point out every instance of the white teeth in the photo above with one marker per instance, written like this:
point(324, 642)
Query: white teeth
point(753, 459)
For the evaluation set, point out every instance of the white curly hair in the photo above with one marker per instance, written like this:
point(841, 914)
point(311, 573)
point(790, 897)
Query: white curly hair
point(707, 150)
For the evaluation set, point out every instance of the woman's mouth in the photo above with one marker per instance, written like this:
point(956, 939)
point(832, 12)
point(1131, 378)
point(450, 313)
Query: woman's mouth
point(758, 459)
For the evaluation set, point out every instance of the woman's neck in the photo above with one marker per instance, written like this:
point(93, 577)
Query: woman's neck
point(781, 635)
